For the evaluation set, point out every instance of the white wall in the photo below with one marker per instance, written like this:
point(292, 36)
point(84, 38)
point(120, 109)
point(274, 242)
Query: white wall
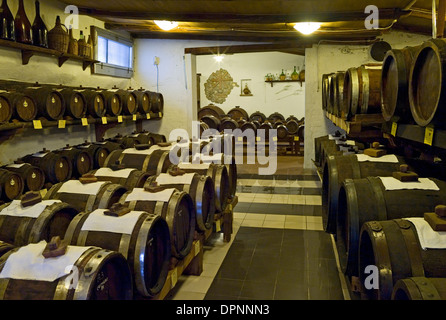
point(326, 58)
point(287, 98)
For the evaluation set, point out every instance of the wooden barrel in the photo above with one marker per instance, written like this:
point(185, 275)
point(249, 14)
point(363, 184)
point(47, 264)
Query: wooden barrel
point(393, 246)
point(173, 205)
point(141, 237)
point(153, 161)
point(292, 125)
point(75, 102)
point(96, 103)
point(201, 190)
point(351, 93)
point(24, 106)
point(301, 133)
point(212, 110)
point(129, 178)
point(11, 185)
point(228, 124)
point(57, 168)
point(318, 146)
point(426, 84)
point(395, 84)
point(157, 102)
point(5, 247)
point(81, 161)
point(248, 125)
point(129, 101)
point(229, 161)
point(282, 131)
point(276, 116)
point(366, 199)
point(339, 168)
point(20, 226)
point(142, 100)
point(49, 101)
point(212, 121)
point(97, 151)
point(325, 90)
point(101, 275)
point(257, 116)
point(266, 127)
point(220, 179)
point(338, 92)
point(238, 113)
point(202, 127)
point(33, 177)
point(420, 288)
point(114, 104)
point(6, 107)
point(86, 197)
point(108, 145)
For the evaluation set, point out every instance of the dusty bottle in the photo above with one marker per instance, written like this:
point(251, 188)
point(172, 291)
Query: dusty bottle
point(6, 22)
point(39, 29)
point(22, 25)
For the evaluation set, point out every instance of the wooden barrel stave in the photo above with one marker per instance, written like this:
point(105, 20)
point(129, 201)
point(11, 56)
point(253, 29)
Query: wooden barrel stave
point(6, 107)
point(211, 109)
point(420, 288)
point(75, 103)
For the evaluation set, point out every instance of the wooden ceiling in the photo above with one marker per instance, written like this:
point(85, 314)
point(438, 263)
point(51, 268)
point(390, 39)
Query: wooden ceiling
point(259, 20)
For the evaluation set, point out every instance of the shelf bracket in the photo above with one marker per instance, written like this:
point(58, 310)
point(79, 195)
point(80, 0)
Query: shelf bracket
point(62, 60)
point(26, 55)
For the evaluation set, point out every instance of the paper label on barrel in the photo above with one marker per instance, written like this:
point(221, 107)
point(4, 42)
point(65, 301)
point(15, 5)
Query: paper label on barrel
point(429, 135)
point(296, 138)
point(98, 221)
point(139, 194)
point(394, 129)
point(37, 124)
point(15, 165)
point(119, 119)
point(104, 120)
point(160, 114)
point(75, 186)
point(84, 121)
point(61, 124)
point(148, 116)
point(134, 117)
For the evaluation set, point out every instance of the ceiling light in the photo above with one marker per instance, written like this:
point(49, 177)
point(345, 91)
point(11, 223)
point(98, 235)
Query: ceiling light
point(166, 25)
point(218, 58)
point(307, 27)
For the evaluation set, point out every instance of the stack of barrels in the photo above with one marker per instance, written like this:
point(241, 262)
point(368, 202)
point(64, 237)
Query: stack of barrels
point(27, 101)
point(238, 118)
point(124, 220)
point(379, 218)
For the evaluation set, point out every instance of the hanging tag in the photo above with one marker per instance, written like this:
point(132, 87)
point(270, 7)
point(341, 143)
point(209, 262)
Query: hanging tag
point(296, 138)
point(148, 116)
point(37, 124)
point(61, 124)
point(217, 226)
point(160, 114)
point(429, 135)
point(119, 119)
point(84, 121)
point(134, 117)
point(394, 128)
point(104, 120)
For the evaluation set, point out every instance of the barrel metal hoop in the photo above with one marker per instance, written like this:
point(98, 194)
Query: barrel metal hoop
point(426, 288)
point(42, 220)
point(412, 247)
point(376, 184)
point(20, 235)
point(355, 90)
point(365, 90)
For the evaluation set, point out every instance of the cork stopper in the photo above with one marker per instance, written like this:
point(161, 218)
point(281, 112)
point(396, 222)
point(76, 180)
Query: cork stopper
point(117, 210)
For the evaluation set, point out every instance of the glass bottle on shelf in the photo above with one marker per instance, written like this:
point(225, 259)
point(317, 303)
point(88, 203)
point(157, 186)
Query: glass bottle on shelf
point(39, 29)
point(6, 22)
point(282, 76)
point(22, 25)
point(295, 74)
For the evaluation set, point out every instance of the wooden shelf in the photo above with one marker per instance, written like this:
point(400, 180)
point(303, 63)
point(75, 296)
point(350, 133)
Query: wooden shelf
point(278, 81)
point(361, 125)
point(28, 51)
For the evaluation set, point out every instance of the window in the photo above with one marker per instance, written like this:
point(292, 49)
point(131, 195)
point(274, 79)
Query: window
point(115, 53)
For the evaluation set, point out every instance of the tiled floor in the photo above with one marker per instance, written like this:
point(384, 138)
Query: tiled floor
point(278, 250)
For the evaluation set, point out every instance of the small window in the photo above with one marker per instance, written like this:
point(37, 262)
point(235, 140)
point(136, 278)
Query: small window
point(115, 53)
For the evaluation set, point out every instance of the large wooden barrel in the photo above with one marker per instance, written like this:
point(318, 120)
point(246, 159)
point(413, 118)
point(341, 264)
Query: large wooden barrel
point(96, 102)
point(220, 179)
point(22, 225)
point(393, 246)
point(57, 168)
point(420, 288)
point(338, 92)
point(366, 199)
point(141, 237)
point(212, 110)
point(325, 91)
point(157, 102)
point(33, 177)
point(238, 113)
point(99, 274)
point(339, 168)
point(173, 205)
point(24, 106)
point(11, 185)
point(97, 151)
point(318, 149)
point(257, 116)
point(75, 102)
point(6, 107)
point(50, 102)
point(129, 178)
point(81, 161)
point(395, 84)
point(426, 84)
point(142, 100)
point(86, 197)
point(152, 160)
point(150, 138)
point(201, 190)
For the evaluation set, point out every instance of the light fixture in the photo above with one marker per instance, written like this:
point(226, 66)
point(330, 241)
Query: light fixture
point(218, 58)
point(166, 25)
point(307, 27)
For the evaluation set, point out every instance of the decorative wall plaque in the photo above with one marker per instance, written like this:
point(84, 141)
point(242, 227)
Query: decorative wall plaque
point(219, 85)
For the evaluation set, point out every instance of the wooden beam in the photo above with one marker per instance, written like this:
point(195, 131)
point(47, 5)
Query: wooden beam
point(295, 48)
point(440, 18)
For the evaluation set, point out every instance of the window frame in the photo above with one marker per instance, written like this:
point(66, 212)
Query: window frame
point(107, 69)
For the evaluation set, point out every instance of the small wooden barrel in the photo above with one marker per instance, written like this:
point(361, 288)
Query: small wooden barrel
point(33, 177)
point(96, 103)
point(102, 275)
point(129, 178)
point(351, 93)
point(282, 131)
point(201, 190)
point(248, 126)
point(86, 197)
point(420, 288)
point(175, 207)
point(301, 133)
point(43, 221)
point(153, 161)
point(156, 102)
point(57, 168)
point(24, 106)
point(393, 246)
point(212, 121)
point(265, 127)
point(50, 103)
point(142, 238)
point(142, 100)
point(339, 168)
point(5, 247)
point(129, 102)
point(11, 185)
point(292, 125)
point(395, 84)
point(257, 116)
point(228, 124)
point(97, 151)
point(113, 102)
point(75, 102)
point(238, 113)
point(212, 110)
point(366, 199)
point(6, 107)
point(276, 116)
point(231, 167)
point(81, 160)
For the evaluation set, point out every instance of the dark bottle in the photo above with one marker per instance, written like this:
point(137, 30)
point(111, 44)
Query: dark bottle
point(6, 22)
point(22, 25)
point(39, 30)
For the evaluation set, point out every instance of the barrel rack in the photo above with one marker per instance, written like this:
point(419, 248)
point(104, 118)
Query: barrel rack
point(360, 126)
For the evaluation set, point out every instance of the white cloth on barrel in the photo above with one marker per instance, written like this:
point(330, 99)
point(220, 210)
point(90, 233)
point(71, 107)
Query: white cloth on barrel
point(16, 209)
point(385, 158)
point(98, 221)
point(391, 183)
point(429, 238)
point(143, 195)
